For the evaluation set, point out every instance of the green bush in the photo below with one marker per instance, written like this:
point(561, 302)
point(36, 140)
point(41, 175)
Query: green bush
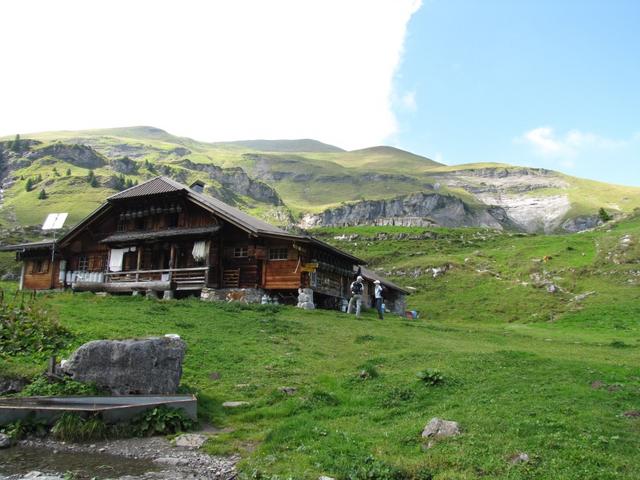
point(26, 327)
point(42, 386)
point(21, 428)
point(161, 420)
point(431, 376)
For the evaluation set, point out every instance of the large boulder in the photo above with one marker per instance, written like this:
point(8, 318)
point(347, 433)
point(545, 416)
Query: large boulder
point(130, 367)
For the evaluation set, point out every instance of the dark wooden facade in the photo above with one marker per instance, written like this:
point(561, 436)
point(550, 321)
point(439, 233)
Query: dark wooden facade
point(172, 238)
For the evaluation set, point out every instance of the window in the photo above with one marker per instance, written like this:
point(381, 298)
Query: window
point(83, 263)
point(172, 220)
point(40, 266)
point(240, 252)
point(122, 226)
point(280, 253)
point(141, 223)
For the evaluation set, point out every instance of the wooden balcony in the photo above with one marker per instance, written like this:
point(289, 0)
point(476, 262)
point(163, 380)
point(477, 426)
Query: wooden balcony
point(139, 280)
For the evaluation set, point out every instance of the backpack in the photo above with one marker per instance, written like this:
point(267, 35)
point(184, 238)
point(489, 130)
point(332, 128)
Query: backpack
point(356, 288)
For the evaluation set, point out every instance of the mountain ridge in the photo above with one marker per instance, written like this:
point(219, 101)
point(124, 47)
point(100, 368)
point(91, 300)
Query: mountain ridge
point(279, 182)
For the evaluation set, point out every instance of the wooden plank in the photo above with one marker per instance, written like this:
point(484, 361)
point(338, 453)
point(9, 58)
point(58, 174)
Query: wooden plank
point(158, 286)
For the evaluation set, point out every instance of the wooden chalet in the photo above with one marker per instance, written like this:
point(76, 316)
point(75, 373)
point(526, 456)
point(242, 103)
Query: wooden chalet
point(162, 236)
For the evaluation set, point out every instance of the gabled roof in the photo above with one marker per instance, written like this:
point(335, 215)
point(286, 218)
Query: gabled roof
point(372, 276)
point(151, 187)
point(162, 185)
point(41, 245)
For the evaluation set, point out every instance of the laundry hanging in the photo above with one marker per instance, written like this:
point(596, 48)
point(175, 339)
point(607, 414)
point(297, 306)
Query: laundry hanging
point(115, 259)
point(199, 251)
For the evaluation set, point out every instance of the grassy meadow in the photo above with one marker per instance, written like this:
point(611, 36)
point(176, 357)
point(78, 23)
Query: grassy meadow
point(525, 371)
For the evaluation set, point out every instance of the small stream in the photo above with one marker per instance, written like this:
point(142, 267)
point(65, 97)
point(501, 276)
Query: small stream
point(83, 465)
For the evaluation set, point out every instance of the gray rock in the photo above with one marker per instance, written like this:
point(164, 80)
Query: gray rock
point(9, 277)
point(417, 209)
point(12, 385)
point(5, 441)
point(191, 440)
point(519, 458)
point(173, 461)
point(129, 367)
point(40, 476)
point(288, 390)
point(438, 428)
point(235, 404)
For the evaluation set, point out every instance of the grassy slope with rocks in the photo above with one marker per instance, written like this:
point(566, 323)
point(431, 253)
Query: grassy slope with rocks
point(308, 176)
point(548, 374)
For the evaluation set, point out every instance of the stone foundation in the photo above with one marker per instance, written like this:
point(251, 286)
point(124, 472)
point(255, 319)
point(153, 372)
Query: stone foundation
point(245, 295)
point(305, 299)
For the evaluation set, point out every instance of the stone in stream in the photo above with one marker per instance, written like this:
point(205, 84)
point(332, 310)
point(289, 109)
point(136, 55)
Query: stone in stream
point(150, 366)
point(191, 440)
point(5, 441)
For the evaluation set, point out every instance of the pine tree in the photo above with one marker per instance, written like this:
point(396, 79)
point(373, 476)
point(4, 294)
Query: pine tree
point(55, 172)
point(42, 195)
point(68, 172)
point(29, 185)
point(16, 146)
point(604, 215)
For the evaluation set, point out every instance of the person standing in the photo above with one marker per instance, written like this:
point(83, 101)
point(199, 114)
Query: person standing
point(377, 292)
point(356, 295)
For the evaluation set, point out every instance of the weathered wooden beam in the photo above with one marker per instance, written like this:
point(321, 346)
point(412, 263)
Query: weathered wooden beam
point(122, 286)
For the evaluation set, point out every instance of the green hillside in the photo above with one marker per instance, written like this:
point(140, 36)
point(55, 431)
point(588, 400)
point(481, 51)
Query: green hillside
point(292, 177)
point(552, 375)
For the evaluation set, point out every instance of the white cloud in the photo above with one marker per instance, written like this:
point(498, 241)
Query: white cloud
point(566, 147)
point(220, 70)
point(408, 101)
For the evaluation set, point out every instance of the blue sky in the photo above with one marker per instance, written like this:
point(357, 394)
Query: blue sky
point(532, 82)
point(552, 84)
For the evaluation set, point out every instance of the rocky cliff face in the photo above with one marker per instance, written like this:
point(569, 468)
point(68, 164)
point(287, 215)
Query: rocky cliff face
point(525, 199)
point(78, 155)
point(237, 180)
point(523, 194)
point(419, 209)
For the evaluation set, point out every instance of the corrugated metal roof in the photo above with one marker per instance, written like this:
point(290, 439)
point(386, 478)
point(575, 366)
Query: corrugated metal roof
point(151, 187)
point(169, 233)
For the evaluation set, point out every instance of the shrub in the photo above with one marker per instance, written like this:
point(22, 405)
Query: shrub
point(42, 386)
point(161, 420)
point(604, 215)
point(28, 328)
point(398, 395)
point(368, 371)
point(71, 427)
point(22, 428)
point(431, 376)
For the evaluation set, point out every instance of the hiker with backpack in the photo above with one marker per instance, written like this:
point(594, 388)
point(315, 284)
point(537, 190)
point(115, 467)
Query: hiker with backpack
point(377, 293)
point(357, 289)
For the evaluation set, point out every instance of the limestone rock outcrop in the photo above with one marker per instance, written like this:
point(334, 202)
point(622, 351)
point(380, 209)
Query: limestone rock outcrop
point(130, 367)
